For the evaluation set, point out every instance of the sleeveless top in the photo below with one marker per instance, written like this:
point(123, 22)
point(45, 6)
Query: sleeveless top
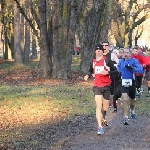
point(100, 79)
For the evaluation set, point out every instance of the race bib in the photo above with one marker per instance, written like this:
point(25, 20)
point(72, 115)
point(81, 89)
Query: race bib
point(99, 69)
point(126, 82)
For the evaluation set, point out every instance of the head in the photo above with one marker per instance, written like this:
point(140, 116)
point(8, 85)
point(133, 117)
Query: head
point(120, 52)
point(115, 51)
point(148, 51)
point(135, 51)
point(99, 50)
point(106, 46)
point(126, 53)
point(139, 49)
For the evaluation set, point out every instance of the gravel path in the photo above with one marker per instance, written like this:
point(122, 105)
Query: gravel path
point(135, 136)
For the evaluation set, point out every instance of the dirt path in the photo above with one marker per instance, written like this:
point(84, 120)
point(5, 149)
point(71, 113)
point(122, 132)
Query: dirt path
point(80, 133)
point(135, 136)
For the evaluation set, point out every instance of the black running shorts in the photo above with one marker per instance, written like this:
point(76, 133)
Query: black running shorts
point(147, 75)
point(131, 90)
point(104, 91)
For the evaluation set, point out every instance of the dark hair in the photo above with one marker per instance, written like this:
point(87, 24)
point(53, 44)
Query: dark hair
point(135, 47)
point(99, 46)
point(105, 42)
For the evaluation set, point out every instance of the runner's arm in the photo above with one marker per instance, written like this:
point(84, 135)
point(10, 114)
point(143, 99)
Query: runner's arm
point(112, 68)
point(138, 67)
point(114, 58)
point(91, 71)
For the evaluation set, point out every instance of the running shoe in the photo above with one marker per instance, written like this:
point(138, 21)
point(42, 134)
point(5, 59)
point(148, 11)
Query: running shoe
point(100, 131)
point(138, 94)
point(133, 116)
point(115, 110)
point(120, 100)
point(141, 89)
point(126, 121)
point(104, 123)
point(148, 95)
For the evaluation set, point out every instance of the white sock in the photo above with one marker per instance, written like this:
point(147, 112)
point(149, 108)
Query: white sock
point(132, 111)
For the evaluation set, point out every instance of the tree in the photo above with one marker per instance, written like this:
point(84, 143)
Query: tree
point(27, 34)
point(127, 16)
point(17, 36)
point(45, 65)
point(7, 28)
point(64, 26)
point(95, 29)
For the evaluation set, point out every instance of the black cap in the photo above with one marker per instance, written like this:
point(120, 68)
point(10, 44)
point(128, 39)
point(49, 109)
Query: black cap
point(99, 46)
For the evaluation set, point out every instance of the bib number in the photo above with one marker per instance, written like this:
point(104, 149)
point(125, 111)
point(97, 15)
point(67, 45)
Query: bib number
point(99, 69)
point(126, 82)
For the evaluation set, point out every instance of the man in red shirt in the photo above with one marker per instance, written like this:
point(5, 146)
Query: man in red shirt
point(100, 70)
point(138, 77)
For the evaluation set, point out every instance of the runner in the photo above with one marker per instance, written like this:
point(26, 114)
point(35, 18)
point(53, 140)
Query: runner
point(128, 66)
point(99, 69)
point(138, 77)
point(114, 58)
point(147, 73)
point(117, 85)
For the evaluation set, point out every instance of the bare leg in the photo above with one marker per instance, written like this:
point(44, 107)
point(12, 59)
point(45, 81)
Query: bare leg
point(125, 100)
point(99, 101)
point(132, 104)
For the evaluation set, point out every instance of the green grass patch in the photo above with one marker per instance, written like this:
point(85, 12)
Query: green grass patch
point(142, 107)
point(62, 96)
point(10, 66)
point(76, 62)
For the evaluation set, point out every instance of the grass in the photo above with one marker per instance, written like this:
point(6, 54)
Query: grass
point(76, 62)
point(142, 106)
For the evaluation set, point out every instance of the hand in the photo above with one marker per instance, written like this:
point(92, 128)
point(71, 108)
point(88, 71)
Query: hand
point(93, 75)
point(104, 72)
point(86, 77)
point(144, 66)
point(129, 67)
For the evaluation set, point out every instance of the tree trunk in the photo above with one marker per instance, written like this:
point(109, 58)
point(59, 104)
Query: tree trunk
point(95, 30)
point(64, 27)
point(45, 68)
point(33, 47)
point(7, 54)
point(17, 36)
point(27, 35)
point(22, 32)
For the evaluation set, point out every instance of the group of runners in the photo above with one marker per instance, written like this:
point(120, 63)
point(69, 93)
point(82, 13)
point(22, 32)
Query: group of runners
point(117, 74)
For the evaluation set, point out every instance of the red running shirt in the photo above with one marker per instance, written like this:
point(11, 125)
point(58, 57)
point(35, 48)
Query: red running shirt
point(141, 60)
point(100, 79)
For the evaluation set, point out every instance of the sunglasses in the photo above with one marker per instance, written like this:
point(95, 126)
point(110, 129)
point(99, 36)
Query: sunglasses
point(105, 45)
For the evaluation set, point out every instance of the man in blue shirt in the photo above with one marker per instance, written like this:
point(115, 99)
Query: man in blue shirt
point(127, 67)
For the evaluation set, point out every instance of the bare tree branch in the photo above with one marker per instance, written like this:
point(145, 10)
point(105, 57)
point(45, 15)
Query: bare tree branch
point(140, 21)
point(27, 19)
